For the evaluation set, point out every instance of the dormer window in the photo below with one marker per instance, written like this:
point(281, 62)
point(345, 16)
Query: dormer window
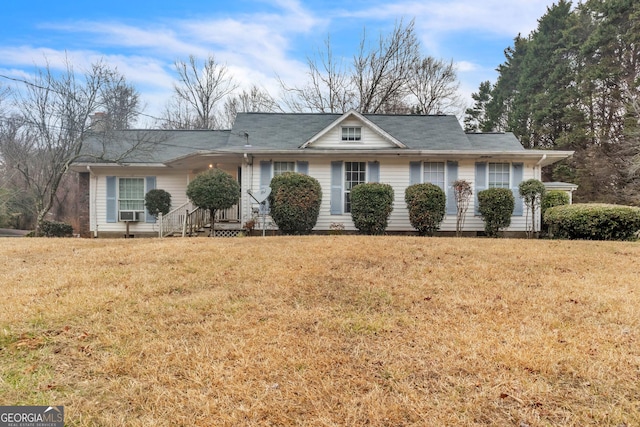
point(351, 133)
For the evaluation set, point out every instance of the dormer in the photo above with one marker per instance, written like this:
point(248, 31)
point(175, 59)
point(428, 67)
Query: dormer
point(353, 130)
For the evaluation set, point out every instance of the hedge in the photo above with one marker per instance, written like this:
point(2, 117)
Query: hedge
point(427, 205)
point(593, 222)
point(294, 202)
point(496, 207)
point(56, 229)
point(371, 205)
point(554, 198)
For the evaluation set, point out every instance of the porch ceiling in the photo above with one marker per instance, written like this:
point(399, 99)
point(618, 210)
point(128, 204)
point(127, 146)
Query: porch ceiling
point(205, 160)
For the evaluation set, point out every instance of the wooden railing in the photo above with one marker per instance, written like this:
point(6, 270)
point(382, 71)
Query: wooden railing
point(173, 222)
point(194, 221)
point(188, 219)
point(228, 215)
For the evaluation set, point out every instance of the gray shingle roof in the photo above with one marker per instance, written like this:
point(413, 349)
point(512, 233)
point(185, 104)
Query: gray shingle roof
point(289, 131)
point(496, 141)
point(155, 146)
point(277, 131)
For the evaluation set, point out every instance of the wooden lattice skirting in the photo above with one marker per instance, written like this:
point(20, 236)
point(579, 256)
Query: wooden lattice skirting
point(226, 233)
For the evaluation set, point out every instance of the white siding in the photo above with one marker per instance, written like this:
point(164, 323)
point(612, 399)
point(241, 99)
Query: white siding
point(174, 182)
point(370, 139)
point(393, 171)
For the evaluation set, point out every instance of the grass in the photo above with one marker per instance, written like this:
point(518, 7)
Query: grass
point(322, 331)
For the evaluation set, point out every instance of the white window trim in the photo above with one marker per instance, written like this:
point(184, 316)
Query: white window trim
point(344, 183)
point(509, 171)
point(444, 167)
point(359, 137)
point(273, 167)
point(119, 199)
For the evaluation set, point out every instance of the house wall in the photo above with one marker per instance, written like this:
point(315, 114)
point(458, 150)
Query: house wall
point(369, 138)
point(393, 171)
point(173, 181)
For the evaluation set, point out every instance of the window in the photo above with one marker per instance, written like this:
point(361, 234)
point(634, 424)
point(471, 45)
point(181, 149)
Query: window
point(499, 175)
point(434, 173)
point(281, 167)
point(131, 194)
point(351, 133)
point(355, 173)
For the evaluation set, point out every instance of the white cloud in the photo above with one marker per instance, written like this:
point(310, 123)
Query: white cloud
point(258, 47)
point(465, 66)
point(435, 16)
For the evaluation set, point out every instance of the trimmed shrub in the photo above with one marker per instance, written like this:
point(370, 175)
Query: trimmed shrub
point(56, 229)
point(462, 192)
point(157, 201)
point(531, 192)
point(593, 222)
point(295, 202)
point(213, 190)
point(371, 205)
point(554, 198)
point(427, 205)
point(496, 207)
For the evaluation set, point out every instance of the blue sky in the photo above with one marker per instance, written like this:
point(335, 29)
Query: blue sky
point(258, 40)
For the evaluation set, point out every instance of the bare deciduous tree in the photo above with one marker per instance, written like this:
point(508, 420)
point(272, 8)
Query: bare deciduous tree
point(51, 126)
point(253, 100)
point(121, 102)
point(197, 93)
point(381, 72)
point(178, 114)
point(434, 84)
point(329, 89)
point(387, 76)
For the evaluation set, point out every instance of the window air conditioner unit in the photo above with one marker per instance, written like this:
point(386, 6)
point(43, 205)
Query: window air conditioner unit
point(132, 216)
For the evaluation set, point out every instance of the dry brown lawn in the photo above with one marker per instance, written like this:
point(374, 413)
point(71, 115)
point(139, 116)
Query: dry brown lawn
point(322, 331)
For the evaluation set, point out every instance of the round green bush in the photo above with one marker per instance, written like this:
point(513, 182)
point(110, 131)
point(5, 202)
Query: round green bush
point(371, 205)
point(157, 201)
point(214, 189)
point(427, 205)
point(295, 202)
point(593, 222)
point(531, 191)
point(496, 207)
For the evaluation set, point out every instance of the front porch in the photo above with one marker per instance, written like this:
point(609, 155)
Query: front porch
point(188, 220)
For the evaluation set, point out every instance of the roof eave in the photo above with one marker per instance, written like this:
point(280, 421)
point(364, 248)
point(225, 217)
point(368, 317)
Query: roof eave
point(549, 156)
point(377, 129)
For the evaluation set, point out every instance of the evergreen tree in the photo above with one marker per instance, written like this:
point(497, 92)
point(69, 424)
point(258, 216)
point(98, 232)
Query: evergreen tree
point(571, 84)
point(476, 120)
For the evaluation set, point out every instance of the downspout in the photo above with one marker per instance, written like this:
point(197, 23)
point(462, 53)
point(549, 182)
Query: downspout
point(93, 215)
point(248, 160)
point(544, 157)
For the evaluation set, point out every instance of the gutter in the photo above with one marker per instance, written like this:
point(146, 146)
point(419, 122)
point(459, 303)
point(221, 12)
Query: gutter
point(537, 169)
point(413, 152)
point(119, 165)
